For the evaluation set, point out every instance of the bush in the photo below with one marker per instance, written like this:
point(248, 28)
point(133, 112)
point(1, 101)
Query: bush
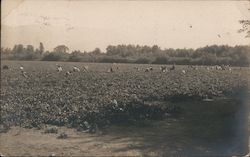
point(142, 61)
point(114, 60)
point(161, 60)
point(51, 57)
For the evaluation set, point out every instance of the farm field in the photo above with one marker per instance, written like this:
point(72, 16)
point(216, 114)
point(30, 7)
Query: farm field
point(175, 112)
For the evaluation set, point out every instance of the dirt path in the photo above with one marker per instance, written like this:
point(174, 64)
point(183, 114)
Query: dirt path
point(31, 142)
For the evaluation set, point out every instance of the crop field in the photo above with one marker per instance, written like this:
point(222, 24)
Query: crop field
point(98, 97)
point(171, 109)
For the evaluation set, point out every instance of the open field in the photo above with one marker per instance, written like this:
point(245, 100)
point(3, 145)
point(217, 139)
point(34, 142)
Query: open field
point(98, 101)
point(47, 96)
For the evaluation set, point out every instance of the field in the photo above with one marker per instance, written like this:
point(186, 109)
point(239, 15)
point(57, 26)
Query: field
point(97, 99)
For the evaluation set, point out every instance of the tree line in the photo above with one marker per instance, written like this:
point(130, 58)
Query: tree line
point(208, 55)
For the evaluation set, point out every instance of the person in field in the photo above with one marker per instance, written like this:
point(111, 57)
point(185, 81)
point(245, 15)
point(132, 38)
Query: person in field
point(85, 68)
point(217, 67)
point(164, 69)
point(149, 69)
point(193, 67)
point(68, 73)
point(59, 68)
point(110, 70)
point(226, 67)
point(76, 69)
point(24, 74)
point(173, 67)
point(137, 68)
point(21, 68)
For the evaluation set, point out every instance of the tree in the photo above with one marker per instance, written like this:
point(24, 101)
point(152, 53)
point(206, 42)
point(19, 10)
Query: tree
point(75, 56)
point(6, 50)
point(146, 49)
point(111, 50)
point(155, 49)
point(6, 53)
point(31, 54)
point(18, 49)
point(61, 49)
point(52, 57)
point(96, 51)
point(245, 27)
point(30, 49)
point(41, 48)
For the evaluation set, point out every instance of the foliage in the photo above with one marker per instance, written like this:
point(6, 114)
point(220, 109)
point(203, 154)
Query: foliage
point(61, 49)
point(245, 27)
point(143, 61)
point(55, 56)
point(113, 60)
point(41, 48)
point(208, 55)
point(98, 97)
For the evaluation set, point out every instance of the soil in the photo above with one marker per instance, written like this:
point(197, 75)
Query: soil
point(32, 142)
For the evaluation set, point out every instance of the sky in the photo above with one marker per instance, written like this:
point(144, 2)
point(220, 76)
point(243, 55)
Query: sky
point(85, 25)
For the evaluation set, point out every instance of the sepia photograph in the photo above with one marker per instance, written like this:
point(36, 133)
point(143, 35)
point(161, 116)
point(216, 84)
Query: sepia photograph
point(125, 78)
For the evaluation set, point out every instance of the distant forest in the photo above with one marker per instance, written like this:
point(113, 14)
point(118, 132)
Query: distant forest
point(208, 55)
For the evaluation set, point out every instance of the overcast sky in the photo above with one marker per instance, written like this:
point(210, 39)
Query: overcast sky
point(85, 25)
